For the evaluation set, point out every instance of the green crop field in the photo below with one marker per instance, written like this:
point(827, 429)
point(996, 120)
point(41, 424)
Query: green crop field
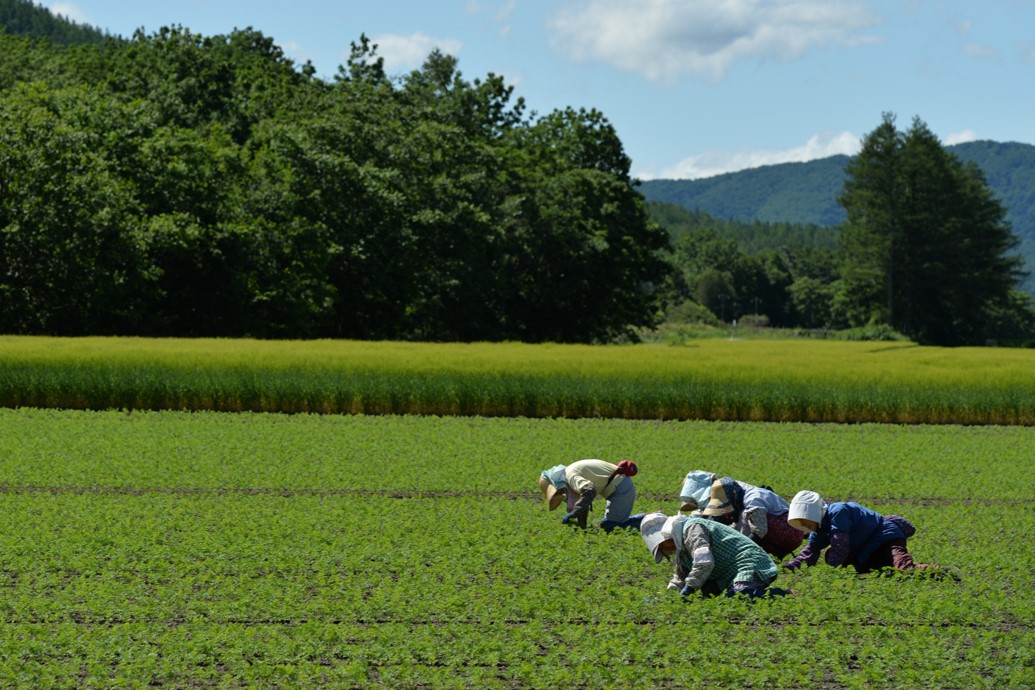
point(204, 549)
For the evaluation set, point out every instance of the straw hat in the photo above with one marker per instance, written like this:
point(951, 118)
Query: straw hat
point(720, 503)
point(553, 495)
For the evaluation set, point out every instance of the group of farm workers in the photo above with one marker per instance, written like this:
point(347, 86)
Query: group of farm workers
point(727, 532)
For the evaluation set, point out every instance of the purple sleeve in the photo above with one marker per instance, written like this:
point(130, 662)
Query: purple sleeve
point(840, 549)
point(808, 555)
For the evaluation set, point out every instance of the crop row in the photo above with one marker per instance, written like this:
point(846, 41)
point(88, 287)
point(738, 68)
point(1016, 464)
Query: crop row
point(180, 575)
point(100, 558)
point(188, 590)
point(451, 656)
point(757, 380)
point(406, 455)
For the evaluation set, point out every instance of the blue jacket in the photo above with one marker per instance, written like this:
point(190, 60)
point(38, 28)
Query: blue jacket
point(866, 529)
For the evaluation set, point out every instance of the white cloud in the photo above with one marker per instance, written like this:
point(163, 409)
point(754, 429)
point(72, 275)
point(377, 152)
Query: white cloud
point(294, 50)
point(403, 53)
point(663, 39)
point(503, 16)
point(500, 12)
point(718, 162)
point(980, 52)
point(506, 10)
point(818, 146)
point(960, 137)
point(69, 11)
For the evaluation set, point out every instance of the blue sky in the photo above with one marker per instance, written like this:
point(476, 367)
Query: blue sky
point(693, 87)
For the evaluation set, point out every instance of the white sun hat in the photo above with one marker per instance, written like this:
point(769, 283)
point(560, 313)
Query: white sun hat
point(806, 505)
point(651, 527)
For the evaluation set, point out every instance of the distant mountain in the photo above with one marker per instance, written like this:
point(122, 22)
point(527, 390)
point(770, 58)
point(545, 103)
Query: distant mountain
point(803, 193)
point(25, 18)
point(806, 193)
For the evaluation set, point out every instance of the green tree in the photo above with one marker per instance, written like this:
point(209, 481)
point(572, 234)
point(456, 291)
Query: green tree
point(715, 271)
point(583, 261)
point(68, 260)
point(177, 184)
point(925, 241)
point(26, 18)
point(812, 301)
point(196, 81)
point(871, 239)
point(450, 158)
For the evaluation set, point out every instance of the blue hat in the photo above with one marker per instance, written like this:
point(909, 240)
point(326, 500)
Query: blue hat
point(696, 488)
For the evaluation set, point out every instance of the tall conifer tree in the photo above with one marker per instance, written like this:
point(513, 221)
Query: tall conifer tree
point(926, 241)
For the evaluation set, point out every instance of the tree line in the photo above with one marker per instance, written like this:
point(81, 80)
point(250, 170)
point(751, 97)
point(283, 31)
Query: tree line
point(174, 184)
point(775, 274)
point(926, 251)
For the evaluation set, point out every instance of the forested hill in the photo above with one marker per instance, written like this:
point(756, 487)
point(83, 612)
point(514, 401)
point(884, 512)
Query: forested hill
point(806, 193)
point(24, 18)
point(803, 193)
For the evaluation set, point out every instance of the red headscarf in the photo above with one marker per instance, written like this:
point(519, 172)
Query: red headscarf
point(628, 468)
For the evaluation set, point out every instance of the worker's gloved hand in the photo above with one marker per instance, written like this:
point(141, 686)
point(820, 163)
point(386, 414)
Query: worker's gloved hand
point(676, 583)
point(569, 518)
point(792, 564)
point(687, 591)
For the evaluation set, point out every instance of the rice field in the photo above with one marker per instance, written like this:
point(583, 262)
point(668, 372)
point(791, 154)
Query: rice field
point(721, 379)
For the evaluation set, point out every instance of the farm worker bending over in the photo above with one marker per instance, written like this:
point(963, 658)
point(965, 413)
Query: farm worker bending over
point(711, 557)
point(756, 512)
point(580, 482)
point(695, 491)
point(856, 535)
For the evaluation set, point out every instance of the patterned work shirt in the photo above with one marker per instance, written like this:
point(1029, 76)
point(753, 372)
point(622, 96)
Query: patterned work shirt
point(715, 553)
